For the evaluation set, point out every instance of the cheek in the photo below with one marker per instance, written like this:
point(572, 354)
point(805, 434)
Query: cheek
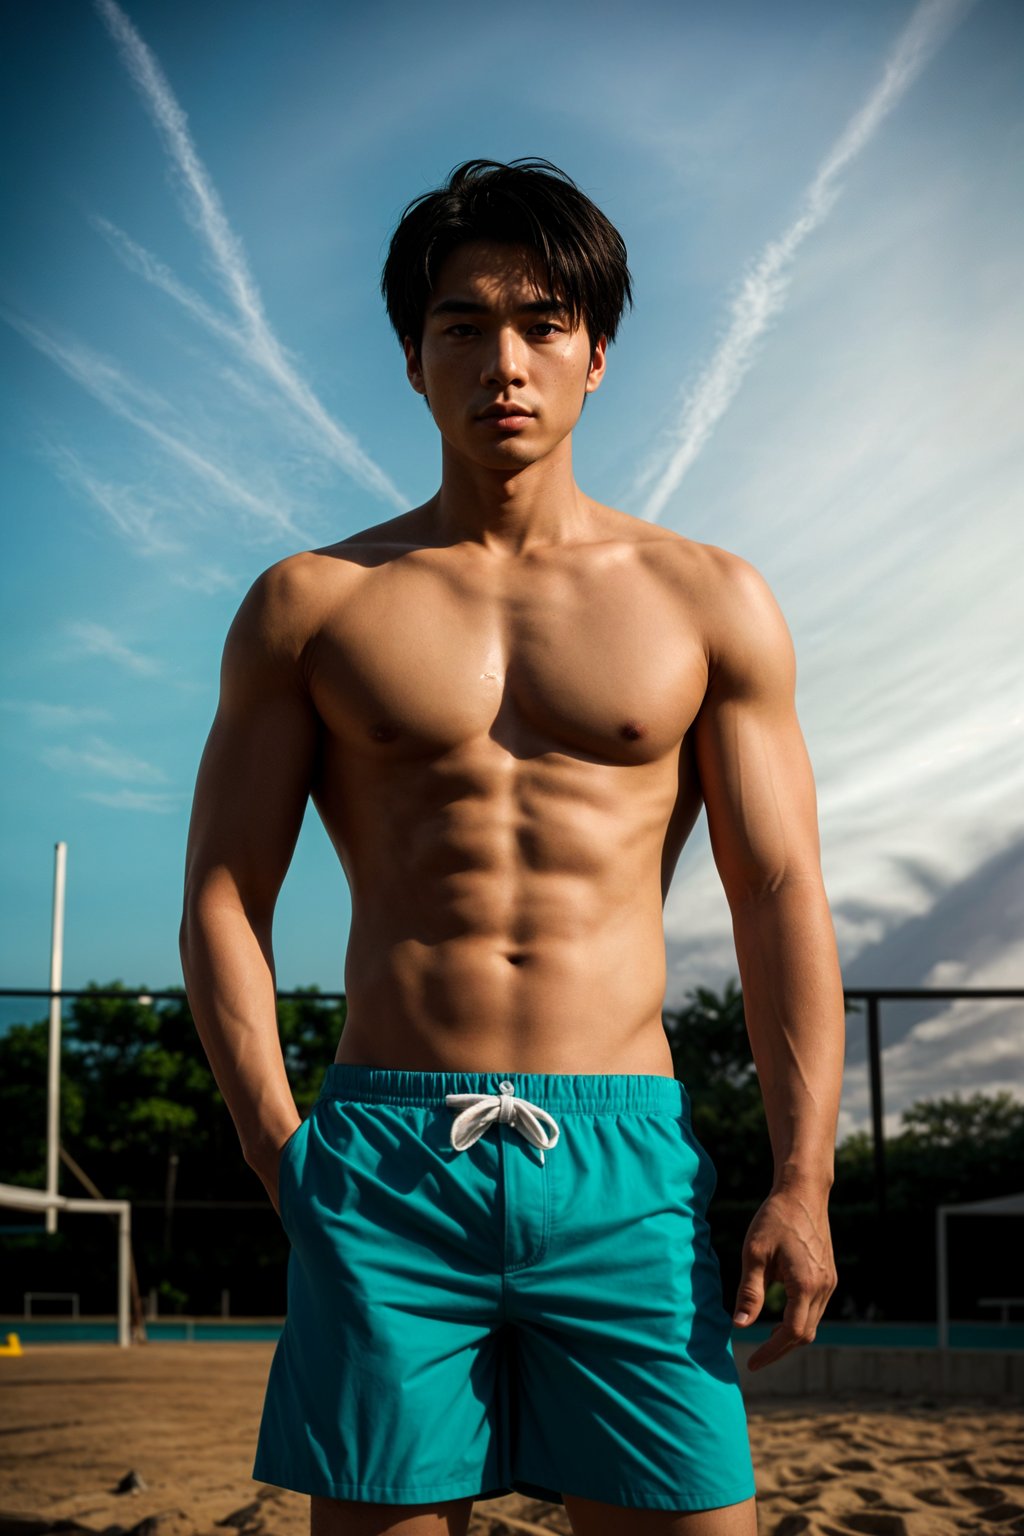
point(569, 377)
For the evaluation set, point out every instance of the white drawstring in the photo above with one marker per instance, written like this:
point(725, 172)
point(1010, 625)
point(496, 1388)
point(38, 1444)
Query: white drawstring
point(481, 1109)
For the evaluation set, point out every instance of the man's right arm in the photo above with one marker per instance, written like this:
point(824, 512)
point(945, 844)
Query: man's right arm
point(251, 792)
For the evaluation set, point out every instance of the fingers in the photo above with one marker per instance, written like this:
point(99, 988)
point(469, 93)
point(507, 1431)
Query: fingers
point(782, 1340)
point(778, 1344)
point(750, 1295)
point(799, 1325)
point(794, 1330)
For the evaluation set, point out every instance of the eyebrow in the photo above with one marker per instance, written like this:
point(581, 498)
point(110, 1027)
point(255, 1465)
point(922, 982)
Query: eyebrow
point(547, 306)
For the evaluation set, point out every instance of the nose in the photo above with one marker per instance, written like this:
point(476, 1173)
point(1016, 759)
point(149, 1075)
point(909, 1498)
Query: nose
point(505, 364)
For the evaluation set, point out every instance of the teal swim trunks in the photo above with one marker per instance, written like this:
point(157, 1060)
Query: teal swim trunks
point(502, 1282)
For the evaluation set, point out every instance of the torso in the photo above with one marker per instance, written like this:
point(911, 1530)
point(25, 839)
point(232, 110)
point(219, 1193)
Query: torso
point(505, 773)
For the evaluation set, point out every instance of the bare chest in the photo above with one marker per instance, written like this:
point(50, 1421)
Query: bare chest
point(599, 658)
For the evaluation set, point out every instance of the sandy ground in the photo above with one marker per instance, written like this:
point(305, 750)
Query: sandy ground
point(74, 1420)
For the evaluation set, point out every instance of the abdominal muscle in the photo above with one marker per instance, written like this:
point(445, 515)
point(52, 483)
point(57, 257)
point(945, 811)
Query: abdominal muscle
point(485, 940)
point(473, 1005)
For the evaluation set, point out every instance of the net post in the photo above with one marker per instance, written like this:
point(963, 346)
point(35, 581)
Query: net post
point(53, 1052)
point(124, 1260)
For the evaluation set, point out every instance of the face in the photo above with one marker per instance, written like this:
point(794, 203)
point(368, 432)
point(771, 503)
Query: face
point(494, 336)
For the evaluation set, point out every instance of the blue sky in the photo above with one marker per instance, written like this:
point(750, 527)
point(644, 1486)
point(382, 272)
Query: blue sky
point(823, 373)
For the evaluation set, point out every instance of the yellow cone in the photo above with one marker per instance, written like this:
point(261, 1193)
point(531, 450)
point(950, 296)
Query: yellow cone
point(13, 1345)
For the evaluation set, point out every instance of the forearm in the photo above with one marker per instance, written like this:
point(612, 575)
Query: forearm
point(793, 1002)
point(229, 978)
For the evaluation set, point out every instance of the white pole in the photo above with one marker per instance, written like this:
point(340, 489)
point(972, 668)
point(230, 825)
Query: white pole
point(941, 1260)
point(53, 1074)
point(124, 1259)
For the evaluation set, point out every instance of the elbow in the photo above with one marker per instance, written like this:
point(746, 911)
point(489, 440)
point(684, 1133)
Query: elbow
point(194, 927)
point(218, 914)
point(190, 914)
point(186, 939)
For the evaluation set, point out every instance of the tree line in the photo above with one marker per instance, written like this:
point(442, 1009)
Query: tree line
point(142, 1119)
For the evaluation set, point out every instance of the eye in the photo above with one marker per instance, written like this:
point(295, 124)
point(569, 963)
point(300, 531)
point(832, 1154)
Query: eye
point(461, 328)
point(546, 325)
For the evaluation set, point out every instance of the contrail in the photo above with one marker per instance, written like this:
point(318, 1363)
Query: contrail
point(131, 516)
point(204, 210)
point(137, 258)
point(108, 384)
point(762, 293)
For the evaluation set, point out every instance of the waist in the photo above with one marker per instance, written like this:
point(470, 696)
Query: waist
point(585, 1092)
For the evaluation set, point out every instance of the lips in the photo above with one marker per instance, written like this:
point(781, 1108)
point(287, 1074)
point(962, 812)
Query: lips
point(503, 412)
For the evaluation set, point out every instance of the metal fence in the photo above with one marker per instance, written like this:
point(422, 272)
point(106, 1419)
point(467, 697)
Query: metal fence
point(871, 997)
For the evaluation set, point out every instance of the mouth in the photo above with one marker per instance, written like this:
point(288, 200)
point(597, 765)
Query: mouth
point(505, 417)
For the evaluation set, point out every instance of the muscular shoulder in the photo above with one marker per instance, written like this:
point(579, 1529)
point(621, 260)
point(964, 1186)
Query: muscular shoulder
point(270, 640)
point(746, 638)
point(281, 609)
point(750, 648)
point(289, 603)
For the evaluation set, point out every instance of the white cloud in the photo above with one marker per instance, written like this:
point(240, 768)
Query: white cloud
point(134, 800)
point(980, 1050)
point(135, 514)
point(98, 640)
point(203, 208)
point(148, 266)
point(134, 403)
point(100, 757)
point(207, 578)
point(876, 486)
point(55, 716)
point(763, 290)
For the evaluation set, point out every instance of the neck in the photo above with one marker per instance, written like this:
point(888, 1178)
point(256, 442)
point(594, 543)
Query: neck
point(510, 512)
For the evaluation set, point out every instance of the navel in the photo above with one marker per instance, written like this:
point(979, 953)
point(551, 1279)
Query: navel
point(632, 730)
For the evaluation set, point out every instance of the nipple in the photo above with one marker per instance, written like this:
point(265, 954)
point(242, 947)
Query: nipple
point(632, 730)
point(384, 731)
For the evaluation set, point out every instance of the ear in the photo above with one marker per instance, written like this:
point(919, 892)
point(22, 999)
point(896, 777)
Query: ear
point(597, 364)
point(413, 370)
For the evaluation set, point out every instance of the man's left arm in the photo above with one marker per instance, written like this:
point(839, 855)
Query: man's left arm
point(762, 819)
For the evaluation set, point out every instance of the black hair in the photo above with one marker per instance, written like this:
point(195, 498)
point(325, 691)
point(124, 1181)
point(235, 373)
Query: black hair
point(527, 202)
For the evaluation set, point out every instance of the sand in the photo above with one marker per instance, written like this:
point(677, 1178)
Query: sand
point(75, 1419)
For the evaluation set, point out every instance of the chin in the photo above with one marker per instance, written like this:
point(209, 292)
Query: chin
point(511, 453)
point(512, 456)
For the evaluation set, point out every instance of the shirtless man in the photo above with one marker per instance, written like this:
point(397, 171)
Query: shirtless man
point(508, 706)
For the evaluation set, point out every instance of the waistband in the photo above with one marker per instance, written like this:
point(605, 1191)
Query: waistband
point(587, 1092)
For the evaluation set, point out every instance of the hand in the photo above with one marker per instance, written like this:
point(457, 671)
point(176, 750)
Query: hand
point(788, 1240)
point(264, 1158)
point(274, 1191)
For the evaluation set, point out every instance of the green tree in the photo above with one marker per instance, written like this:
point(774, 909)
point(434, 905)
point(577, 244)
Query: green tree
point(142, 1115)
point(23, 1058)
point(983, 1120)
point(712, 1058)
point(947, 1150)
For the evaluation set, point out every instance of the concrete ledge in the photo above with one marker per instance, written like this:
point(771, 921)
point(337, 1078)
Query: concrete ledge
point(819, 1371)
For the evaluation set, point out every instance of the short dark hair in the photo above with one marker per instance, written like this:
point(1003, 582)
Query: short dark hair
point(525, 202)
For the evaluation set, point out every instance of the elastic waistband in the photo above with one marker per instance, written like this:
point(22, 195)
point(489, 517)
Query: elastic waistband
point(588, 1092)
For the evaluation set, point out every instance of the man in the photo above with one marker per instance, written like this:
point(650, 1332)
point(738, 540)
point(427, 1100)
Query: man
point(507, 706)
